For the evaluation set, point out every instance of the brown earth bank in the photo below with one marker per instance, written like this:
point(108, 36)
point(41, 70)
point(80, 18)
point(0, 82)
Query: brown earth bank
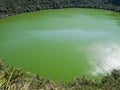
point(12, 78)
point(12, 7)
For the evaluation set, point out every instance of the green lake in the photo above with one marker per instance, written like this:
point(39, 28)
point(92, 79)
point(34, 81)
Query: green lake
point(62, 43)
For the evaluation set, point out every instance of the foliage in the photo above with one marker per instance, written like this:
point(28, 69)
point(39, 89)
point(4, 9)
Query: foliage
point(108, 82)
point(16, 79)
point(12, 7)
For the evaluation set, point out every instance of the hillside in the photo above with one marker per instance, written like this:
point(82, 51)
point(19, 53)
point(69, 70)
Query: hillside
point(12, 78)
point(12, 7)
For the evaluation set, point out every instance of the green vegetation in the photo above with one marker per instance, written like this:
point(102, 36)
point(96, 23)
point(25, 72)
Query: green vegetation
point(11, 7)
point(16, 79)
point(109, 82)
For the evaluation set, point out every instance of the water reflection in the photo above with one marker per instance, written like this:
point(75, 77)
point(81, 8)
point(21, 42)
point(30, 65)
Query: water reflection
point(55, 43)
point(74, 34)
point(105, 57)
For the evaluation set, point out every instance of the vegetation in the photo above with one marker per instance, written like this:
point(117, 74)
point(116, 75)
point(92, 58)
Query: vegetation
point(11, 7)
point(109, 82)
point(16, 79)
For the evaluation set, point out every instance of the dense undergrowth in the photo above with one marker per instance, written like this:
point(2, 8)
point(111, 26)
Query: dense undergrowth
point(12, 7)
point(12, 78)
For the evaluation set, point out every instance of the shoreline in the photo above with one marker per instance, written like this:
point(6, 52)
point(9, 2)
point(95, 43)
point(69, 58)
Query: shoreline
point(12, 7)
point(12, 78)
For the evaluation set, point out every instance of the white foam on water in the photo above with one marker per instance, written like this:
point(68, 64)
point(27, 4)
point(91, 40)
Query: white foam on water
point(104, 58)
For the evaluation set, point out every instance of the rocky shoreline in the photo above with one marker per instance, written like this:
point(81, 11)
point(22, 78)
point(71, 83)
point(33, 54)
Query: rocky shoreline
point(13, 7)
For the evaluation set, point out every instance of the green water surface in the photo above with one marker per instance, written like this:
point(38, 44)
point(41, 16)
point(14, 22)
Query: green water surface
point(63, 43)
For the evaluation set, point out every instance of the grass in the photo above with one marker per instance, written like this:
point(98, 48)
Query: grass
point(12, 78)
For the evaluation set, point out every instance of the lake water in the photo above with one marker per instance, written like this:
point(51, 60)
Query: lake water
point(63, 43)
